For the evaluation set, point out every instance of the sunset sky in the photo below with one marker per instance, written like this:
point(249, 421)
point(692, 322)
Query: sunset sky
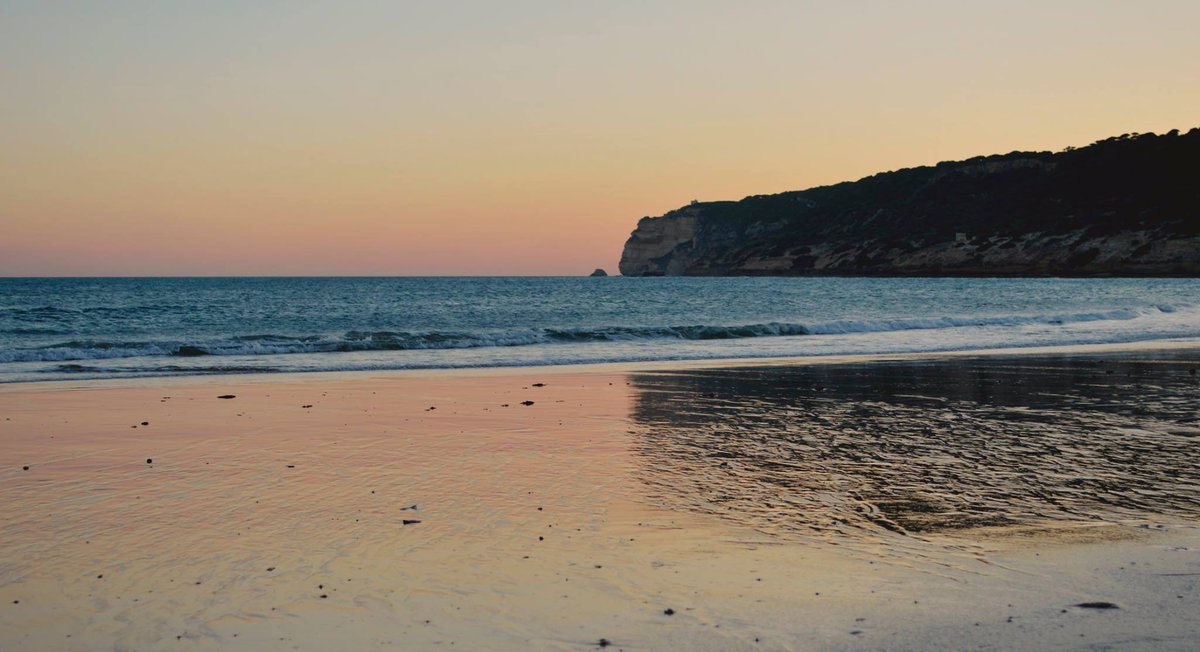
point(314, 138)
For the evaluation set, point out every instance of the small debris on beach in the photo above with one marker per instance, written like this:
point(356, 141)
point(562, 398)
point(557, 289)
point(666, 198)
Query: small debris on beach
point(526, 402)
point(270, 568)
point(1097, 605)
point(291, 466)
point(669, 611)
point(305, 406)
point(24, 468)
point(149, 460)
point(409, 521)
point(227, 396)
point(404, 508)
point(604, 642)
point(538, 385)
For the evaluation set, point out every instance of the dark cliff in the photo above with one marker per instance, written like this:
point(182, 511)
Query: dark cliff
point(1125, 206)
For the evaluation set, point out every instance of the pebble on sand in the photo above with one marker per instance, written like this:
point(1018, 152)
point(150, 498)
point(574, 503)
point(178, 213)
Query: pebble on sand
point(227, 396)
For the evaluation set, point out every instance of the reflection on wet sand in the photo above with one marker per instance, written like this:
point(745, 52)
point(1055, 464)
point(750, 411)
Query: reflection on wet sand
point(922, 447)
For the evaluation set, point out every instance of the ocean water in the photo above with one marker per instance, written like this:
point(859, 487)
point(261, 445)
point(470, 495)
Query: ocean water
point(53, 329)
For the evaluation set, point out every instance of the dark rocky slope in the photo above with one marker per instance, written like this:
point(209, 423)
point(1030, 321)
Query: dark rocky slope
point(1125, 206)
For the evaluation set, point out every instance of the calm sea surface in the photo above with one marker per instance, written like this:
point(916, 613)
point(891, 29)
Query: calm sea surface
point(101, 328)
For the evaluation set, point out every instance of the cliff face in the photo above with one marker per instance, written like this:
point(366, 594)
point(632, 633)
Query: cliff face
point(1127, 206)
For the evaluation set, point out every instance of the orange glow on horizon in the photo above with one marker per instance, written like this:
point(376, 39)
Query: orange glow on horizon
point(409, 139)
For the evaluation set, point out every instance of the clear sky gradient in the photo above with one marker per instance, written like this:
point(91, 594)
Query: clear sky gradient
point(518, 137)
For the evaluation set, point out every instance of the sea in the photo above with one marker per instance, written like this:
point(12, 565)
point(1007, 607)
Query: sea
point(88, 328)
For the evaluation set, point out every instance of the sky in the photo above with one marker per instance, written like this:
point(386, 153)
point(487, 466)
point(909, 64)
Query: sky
point(519, 137)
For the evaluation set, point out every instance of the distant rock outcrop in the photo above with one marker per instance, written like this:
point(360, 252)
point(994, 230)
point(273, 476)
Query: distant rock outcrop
point(599, 272)
point(1125, 206)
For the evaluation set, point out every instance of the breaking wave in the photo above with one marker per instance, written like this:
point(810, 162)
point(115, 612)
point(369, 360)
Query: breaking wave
point(356, 340)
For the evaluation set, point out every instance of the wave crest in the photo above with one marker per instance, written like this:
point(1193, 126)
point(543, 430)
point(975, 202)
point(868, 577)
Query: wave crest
point(362, 340)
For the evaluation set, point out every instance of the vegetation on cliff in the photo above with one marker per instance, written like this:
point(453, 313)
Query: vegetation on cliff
point(1124, 205)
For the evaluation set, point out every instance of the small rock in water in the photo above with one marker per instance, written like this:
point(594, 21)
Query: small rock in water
point(1097, 605)
point(227, 396)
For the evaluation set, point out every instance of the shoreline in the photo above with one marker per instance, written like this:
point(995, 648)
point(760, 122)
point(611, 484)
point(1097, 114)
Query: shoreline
point(932, 502)
point(1183, 344)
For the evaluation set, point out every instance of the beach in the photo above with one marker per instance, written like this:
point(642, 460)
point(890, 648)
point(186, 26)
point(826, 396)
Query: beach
point(1004, 501)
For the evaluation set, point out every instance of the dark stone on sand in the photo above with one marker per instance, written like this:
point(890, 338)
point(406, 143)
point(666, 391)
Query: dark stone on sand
point(526, 402)
point(291, 466)
point(669, 611)
point(1097, 605)
point(604, 642)
point(270, 569)
point(149, 461)
point(24, 468)
point(145, 423)
point(189, 352)
point(538, 385)
point(228, 396)
point(409, 521)
point(323, 596)
point(305, 406)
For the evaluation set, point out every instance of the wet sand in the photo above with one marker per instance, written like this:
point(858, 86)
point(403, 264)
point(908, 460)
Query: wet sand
point(957, 502)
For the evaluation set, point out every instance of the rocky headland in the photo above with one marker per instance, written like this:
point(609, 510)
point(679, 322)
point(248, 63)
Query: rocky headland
point(1124, 206)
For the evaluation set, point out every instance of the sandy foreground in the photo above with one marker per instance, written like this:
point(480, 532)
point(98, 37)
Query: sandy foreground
point(965, 503)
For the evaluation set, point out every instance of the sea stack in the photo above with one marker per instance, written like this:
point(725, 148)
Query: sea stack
point(599, 272)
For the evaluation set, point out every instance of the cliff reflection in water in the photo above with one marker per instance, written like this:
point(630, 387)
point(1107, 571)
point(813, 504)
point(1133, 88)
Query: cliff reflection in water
point(925, 446)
